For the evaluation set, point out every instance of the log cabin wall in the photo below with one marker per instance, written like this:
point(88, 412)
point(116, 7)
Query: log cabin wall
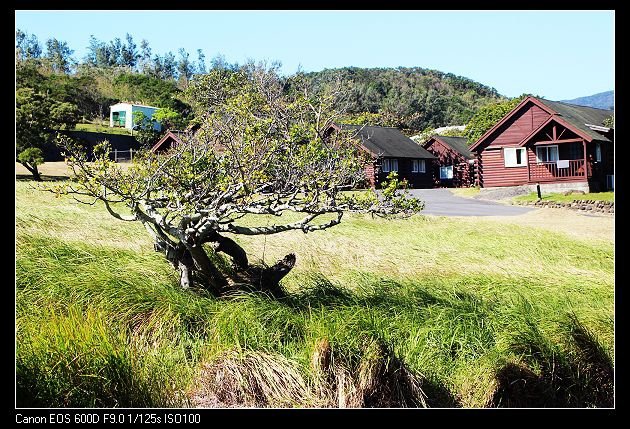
point(415, 180)
point(493, 171)
point(463, 174)
point(370, 177)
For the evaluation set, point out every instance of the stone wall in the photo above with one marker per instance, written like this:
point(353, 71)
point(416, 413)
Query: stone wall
point(581, 205)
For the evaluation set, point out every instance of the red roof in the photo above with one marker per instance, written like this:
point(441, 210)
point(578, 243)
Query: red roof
point(170, 137)
point(559, 117)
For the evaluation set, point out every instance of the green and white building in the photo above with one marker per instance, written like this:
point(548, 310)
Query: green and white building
point(121, 114)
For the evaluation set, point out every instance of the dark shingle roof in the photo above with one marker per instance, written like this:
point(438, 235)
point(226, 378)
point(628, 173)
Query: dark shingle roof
point(579, 116)
point(458, 144)
point(387, 141)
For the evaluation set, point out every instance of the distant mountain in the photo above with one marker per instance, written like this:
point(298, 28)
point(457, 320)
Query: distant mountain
point(603, 100)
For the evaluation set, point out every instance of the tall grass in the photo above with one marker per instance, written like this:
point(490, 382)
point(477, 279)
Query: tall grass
point(439, 312)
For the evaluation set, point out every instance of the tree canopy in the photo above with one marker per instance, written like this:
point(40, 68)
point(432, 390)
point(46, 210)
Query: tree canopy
point(609, 122)
point(487, 116)
point(262, 162)
point(37, 119)
point(410, 98)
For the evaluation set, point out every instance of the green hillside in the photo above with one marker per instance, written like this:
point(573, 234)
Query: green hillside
point(410, 98)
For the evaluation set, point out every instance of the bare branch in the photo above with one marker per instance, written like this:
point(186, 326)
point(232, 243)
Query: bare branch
point(303, 225)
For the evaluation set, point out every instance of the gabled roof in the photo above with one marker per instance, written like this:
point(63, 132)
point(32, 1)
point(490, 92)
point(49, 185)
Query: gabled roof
point(458, 144)
point(573, 116)
point(171, 136)
point(580, 116)
point(503, 120)
point(388, 142)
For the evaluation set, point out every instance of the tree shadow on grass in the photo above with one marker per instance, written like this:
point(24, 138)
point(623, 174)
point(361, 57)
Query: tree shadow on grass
point(582, 376)
point(319, 291)
point(45, 178)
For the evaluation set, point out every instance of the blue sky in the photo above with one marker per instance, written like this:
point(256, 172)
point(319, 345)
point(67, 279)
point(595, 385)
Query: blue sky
point(554, 54)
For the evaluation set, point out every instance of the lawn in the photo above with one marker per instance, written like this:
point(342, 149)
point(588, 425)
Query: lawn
point(442, 312)
point(102, 128)
point(560, 198)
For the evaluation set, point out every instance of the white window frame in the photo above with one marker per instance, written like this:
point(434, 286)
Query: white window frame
point(449, 172)
point(418, 166)
point(598, 152)
point(389, 164)
point(509, 156)
point(546, 148)
point(610, 180)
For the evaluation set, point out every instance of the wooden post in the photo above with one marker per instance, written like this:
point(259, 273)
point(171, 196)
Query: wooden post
point(538, 191)
point(585, 160)
point(115, 155)
point(529, 175)
point(130, 154)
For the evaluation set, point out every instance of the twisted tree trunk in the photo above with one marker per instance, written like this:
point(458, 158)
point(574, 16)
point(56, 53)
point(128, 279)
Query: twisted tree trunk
point(196, 267)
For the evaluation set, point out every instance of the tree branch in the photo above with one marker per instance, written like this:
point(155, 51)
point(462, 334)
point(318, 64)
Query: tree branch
point(303, 225)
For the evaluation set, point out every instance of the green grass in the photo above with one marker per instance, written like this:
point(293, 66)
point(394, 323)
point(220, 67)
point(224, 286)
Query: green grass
point(471, 306)
point(465, 192)
point(102, 128)
point(596, 196)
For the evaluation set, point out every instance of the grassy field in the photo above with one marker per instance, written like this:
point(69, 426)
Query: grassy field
point(442, 312)
point(596, 196)
point(102, 128)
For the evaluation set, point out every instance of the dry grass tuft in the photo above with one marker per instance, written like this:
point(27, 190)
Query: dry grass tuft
point(251, 379)
point(257, 379)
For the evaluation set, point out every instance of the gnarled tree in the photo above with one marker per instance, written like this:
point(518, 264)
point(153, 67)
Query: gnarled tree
point(263, 149)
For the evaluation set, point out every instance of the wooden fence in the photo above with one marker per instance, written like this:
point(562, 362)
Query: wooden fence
point(123, 155)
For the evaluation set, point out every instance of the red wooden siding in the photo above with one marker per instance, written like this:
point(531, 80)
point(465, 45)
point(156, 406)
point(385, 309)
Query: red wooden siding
point(493, 171)
point(519, 126)
point(369, 174)
point(462, 170)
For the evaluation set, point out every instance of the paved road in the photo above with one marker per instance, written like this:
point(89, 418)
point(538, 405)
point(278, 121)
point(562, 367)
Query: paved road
point(442, 203)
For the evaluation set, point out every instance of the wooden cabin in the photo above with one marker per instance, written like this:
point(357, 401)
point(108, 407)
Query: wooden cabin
point(455, 164)
point(169, 138)
point(555, 144)
point(391, 150)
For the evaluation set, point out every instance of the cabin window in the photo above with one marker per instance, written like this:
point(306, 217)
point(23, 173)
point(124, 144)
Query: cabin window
point(574, 151)
point(446, 172)
point(418, 166)
point(546, 153)
point(118, 118)
point(598, 152)
point(390, 165)
point(515, 156)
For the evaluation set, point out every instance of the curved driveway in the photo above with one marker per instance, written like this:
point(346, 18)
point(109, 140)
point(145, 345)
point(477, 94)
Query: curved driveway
point(442, 202)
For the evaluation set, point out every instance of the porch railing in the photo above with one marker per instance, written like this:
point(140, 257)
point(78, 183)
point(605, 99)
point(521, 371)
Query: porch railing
point(541, 171)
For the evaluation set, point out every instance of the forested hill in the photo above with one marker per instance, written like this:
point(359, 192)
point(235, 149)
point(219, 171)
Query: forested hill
point(413, 99)
point(410, 98)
